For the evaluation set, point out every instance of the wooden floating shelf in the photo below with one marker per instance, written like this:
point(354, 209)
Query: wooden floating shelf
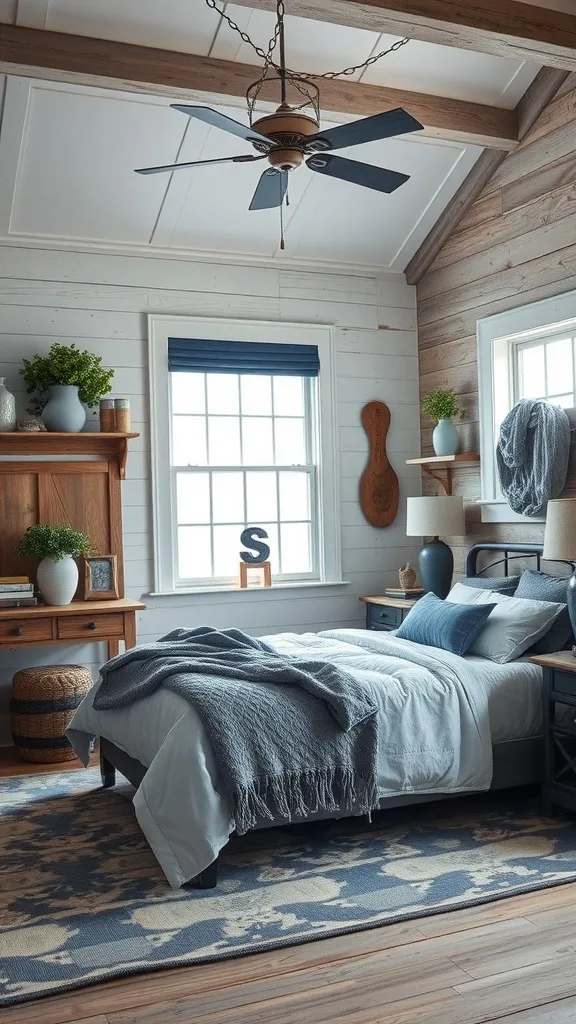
point(47, 442)
point(435, 465)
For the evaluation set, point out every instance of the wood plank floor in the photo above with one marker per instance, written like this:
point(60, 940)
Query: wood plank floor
point(513, 961)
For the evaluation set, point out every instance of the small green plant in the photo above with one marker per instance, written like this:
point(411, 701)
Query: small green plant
point(441, 404)
point(66, 364)
point(55, 541)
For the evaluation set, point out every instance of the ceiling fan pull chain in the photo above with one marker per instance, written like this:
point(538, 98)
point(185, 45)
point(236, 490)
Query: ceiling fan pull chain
point(282, 246)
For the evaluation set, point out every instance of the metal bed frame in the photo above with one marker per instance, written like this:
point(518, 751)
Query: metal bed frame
point(516, 762)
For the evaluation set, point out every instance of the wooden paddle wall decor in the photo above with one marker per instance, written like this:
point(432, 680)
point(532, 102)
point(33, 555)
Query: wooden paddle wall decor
point(379, 490)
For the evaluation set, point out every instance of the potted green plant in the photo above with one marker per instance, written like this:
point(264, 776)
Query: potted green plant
point(441, 405)
point(61, 381)
point(57, 545)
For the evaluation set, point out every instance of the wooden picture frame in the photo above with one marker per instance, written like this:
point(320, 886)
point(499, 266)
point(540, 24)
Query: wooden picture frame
point(101, 578)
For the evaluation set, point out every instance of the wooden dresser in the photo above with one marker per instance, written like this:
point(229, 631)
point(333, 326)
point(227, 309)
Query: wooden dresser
point(65, 478)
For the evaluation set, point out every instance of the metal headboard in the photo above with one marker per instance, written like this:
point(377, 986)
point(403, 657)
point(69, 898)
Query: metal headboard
point(509, 552)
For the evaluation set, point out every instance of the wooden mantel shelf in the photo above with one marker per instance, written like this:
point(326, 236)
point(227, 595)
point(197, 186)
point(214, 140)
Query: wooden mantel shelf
point(46, 442)
point(435, 465)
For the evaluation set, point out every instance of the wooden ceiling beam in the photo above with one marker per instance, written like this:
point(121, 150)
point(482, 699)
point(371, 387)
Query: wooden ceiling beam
point(506, 28)
point(180, 76)
point(543, 89)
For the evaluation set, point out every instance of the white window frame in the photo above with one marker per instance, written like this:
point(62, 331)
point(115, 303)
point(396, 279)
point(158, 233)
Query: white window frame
point(497, 336)
point(160, 328)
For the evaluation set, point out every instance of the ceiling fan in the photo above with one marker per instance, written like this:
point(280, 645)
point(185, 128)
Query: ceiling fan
point(288, 137)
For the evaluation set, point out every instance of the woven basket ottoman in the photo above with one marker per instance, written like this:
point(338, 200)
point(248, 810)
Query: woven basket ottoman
point(42, 705)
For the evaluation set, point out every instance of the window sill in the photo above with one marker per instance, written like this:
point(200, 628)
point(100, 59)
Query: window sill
point(265, 591)
point(496, 510)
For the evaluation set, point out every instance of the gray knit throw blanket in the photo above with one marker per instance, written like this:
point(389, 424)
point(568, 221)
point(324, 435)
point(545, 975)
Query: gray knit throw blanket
point(291, 736)
point(532, 455)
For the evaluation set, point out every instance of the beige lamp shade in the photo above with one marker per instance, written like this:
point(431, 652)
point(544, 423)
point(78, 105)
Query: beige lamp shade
point(560, 532)
point(442, 515)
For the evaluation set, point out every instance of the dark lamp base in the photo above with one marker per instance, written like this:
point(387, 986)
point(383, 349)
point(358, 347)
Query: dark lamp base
point(436, 565)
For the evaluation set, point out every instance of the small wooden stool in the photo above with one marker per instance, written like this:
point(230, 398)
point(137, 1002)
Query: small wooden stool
point(43, 702)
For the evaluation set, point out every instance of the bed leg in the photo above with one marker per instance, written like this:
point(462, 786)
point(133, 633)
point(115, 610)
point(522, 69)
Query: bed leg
point(107, 772)
point(207, 879)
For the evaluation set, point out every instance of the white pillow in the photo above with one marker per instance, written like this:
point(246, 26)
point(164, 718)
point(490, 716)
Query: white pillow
point(460, 594)
point(513, 626)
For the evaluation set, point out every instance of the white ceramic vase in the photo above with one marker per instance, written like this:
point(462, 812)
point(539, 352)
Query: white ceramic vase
point(7, 408)
point(57, 580)
point(64, 411)
point(445, 438)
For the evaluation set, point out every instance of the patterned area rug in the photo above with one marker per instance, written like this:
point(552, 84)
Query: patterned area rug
point(82, 898)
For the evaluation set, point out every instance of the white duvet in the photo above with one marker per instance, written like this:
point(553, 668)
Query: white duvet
point(434, 737)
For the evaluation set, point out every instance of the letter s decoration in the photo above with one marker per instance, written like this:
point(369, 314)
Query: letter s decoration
point(379, 492)
point(248, 537)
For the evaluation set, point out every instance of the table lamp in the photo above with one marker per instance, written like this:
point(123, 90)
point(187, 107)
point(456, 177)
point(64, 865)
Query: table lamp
point(560, 543)
point(429, 517)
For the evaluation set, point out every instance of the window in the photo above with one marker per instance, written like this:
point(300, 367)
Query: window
point(236, 447)
point(526, 353)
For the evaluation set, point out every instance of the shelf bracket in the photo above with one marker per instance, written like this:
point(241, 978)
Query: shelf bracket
point(446, 480)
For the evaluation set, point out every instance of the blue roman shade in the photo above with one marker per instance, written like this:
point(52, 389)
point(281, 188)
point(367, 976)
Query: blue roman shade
point(195, 355)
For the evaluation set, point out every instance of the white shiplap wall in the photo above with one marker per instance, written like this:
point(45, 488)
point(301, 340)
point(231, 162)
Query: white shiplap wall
point(100, 301)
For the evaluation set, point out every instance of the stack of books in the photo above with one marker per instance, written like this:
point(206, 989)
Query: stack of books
point(410, 595)
point(16, 592)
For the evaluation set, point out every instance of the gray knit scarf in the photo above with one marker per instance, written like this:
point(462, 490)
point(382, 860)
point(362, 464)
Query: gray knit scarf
point(532, 455)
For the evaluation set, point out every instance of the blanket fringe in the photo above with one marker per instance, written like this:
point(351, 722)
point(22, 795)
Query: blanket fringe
point(303, 794)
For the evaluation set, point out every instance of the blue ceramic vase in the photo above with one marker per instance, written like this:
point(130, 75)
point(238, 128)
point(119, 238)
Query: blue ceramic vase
point(445, 438)
point(64, 411)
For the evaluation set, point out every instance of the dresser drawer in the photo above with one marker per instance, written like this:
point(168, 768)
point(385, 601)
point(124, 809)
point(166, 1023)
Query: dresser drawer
point(90, 627)
point(381, 617)
point(564, 682)
point(26, 631)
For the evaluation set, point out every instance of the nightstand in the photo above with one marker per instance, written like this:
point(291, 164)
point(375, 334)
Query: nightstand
point(386, 612)
point(559, 737)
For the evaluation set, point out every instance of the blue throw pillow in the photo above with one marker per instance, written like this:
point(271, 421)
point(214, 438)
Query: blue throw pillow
point(539, 586)
point(501, 584)
point(444, 624)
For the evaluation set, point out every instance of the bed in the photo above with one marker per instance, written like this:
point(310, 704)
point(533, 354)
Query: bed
point(159, 744)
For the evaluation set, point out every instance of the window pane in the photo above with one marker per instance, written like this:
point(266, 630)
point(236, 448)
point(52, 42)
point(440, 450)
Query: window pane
point(194, 552)
point(257, 441)
point(531, 372)
point(192, 498)
point(223, 393)
point(188, 392)
point(290, 446)
point(559, 366)
point(227, 548)
point(224, 440)
point(227, 497)
point(294, 496)
point(289, 396)
point(261, 497)
point(564, 401)
point(188, 441)
point(256, 395)
point(295, 538)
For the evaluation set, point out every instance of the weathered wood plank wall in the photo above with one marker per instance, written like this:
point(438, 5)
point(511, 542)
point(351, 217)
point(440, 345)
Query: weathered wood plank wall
point(516, 244)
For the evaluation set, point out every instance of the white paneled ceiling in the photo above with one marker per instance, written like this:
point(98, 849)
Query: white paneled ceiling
point(68, 153)
point(72, 178)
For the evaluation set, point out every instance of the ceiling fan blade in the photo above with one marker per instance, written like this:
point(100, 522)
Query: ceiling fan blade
point(244, 159)
point(218, 120)
point(359, 174)
point(270, 190)
point(369, 129)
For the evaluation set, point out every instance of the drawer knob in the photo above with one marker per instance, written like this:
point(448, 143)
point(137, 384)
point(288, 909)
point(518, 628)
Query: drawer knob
point(91, 625)
point(18, 631)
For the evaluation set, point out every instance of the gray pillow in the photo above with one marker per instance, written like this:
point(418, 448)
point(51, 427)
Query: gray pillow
point(539, 586)
point(501, 584)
